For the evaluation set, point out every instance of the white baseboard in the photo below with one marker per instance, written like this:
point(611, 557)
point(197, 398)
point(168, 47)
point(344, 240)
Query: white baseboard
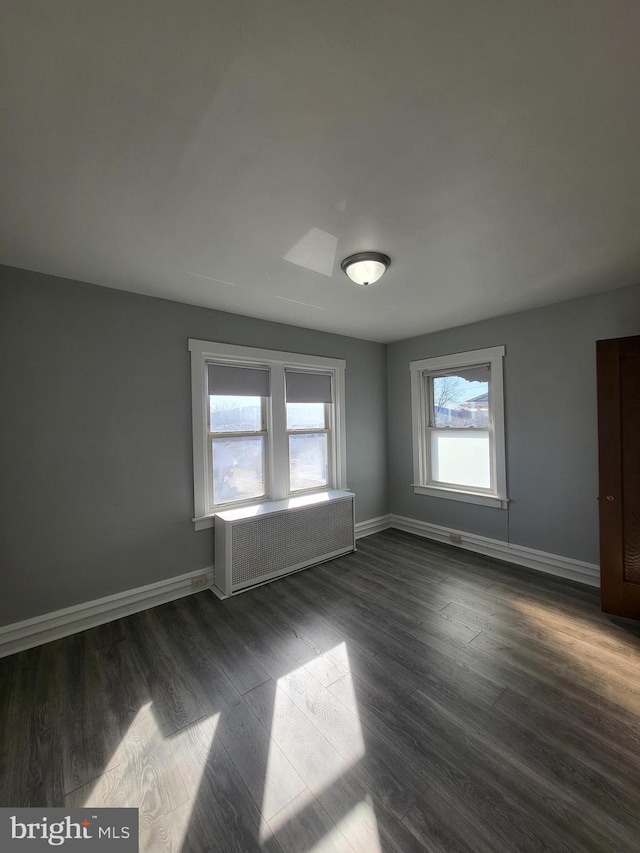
point(51, 626)
point(372, 525)
point(70, 620)
point(541, 561)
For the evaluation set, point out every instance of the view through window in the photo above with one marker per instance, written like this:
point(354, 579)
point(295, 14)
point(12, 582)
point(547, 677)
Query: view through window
point(308, 434)
point(458, 427)
point(238, 438)
point(460, 446)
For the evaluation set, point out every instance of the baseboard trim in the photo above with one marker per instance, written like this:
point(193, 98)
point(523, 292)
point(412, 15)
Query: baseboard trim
point(61, 623)
point(372, 525)
point(541, 561)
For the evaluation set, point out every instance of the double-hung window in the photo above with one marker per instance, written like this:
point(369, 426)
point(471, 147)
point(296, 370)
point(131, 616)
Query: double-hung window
point(458, 427)
point(309, 398)
point(237, 432)
point(266, 426)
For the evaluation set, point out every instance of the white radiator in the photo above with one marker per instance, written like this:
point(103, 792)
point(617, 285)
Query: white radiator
point(258, 544)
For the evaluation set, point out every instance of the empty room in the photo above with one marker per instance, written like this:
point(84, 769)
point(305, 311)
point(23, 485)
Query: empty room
point(320, 432)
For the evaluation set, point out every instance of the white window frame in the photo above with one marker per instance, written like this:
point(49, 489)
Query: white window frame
point(263, 433)
point(420, 411)
point(327, 430)
point(277, 451)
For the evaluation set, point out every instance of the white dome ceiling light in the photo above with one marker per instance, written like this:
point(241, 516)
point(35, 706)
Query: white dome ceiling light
point(366, 267)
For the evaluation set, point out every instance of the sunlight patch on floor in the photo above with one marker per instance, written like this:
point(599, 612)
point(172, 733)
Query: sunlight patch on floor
point(332, 842)
point(571, 637)
point(323, 740)
point(340, 654)
point(118, 786)
point(191, 749)
point(144, 773)
point(360, 827)
point(606, 637)
point(188, 753)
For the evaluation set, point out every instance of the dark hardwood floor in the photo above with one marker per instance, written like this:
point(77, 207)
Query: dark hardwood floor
point(407, 697)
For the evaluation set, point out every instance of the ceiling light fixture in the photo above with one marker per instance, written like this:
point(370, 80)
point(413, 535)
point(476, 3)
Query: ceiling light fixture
point(366, 267)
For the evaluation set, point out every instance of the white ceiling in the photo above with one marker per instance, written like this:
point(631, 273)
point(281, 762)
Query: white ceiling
point(229, 153)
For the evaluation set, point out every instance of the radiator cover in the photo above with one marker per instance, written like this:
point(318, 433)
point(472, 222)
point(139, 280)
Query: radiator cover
point(254, 545)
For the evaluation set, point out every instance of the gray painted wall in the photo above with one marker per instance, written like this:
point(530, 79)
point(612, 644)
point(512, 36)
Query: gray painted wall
point(551, 422)
point(95, 433)
point(96, 474)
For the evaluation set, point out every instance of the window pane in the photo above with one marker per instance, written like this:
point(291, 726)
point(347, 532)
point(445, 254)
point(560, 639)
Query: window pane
point(306, 416)
point(307, 461)
point(460, 399)
point(235, 414)
point(238, 468)
point(461, 458)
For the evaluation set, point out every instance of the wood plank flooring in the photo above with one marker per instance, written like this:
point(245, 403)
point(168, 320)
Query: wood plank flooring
point(407, 697)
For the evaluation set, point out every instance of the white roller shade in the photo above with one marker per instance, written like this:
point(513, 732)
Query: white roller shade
point(480, 373)
point(476, 373)
point(308, 387)
point(234, 381)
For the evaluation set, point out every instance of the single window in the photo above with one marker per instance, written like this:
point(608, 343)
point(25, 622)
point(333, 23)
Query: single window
point(458, 427)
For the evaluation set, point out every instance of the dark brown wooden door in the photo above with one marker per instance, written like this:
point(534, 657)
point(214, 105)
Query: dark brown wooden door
point(619, 452)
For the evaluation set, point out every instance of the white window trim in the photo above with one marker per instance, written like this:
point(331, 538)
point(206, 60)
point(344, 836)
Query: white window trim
point(419, 420)
point(203, 352)
point(329, 431)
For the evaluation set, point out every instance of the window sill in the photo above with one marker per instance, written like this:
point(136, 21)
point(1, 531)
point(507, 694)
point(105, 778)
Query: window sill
point(268, 506)
point(204, 521)
point(465, 497)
